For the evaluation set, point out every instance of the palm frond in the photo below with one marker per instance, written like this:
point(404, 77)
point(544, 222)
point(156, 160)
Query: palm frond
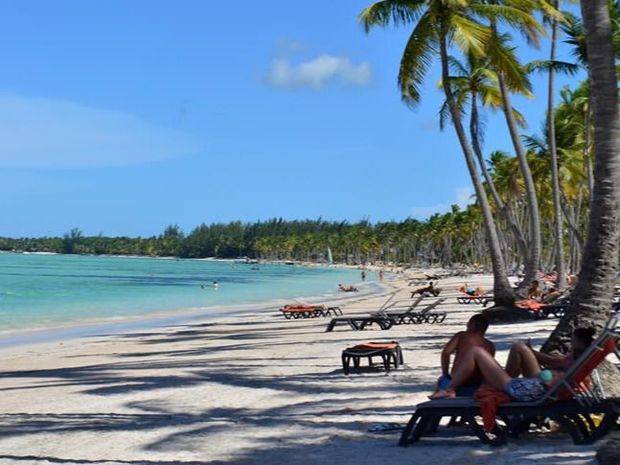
point(444, 115)
point(543, 66)
point(397, 12)
point(456, 66)
point(504, 60)
point(417, 58)
point(444, 112)
point(519, 118)
point(468, 34)
point(534, 143)
point(520, 19)
point(576, 37)
point(491, 96)
point(550, 12)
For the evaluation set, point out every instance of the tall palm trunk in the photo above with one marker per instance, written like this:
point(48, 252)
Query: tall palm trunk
point(592, 297)
point(502, 291)
point(555, 177)
point(586, 151)
point(502, 207)
point(533, 263)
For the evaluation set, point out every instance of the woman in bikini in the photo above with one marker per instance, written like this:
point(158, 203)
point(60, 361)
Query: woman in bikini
point(523, 378)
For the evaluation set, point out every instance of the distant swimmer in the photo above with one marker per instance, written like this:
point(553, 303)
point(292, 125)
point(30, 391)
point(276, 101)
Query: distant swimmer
point(214, 285)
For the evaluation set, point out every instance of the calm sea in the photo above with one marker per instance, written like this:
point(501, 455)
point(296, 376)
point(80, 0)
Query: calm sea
point(50, 290)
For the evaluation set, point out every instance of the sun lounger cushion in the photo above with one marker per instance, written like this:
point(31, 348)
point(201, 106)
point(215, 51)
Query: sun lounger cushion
point(376, 346)
point(529, 304)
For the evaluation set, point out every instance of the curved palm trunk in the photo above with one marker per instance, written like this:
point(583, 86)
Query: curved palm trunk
point(533, 263)
point(502, 291)
point(502, 207)
point(555, 177)
point(592, 297)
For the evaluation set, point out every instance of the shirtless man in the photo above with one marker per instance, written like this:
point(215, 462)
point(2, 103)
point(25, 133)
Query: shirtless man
point(534, 292)
point(426, 290)
point(460, 344)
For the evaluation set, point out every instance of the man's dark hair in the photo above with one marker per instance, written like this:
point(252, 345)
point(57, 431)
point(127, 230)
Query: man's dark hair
point(479, 323)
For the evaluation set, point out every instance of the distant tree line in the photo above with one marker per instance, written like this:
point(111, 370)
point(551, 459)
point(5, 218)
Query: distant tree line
point(453, 237)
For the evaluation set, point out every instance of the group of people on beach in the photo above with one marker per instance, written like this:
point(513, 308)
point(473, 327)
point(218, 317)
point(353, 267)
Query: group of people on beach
point(527, 374)
point(545, 289)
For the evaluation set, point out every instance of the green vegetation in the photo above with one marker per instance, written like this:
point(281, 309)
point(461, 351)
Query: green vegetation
point(556, 201)
point(454, 237)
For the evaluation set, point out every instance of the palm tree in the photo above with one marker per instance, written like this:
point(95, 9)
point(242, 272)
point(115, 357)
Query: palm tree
point(535, 241)
point(592, 297)
point(552, 66)
point(510, 76)
point(473, 80)
point(576, 37)
point(440, 23)
point(553, 153)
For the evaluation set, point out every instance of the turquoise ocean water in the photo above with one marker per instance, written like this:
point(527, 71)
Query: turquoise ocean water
point(53, 290)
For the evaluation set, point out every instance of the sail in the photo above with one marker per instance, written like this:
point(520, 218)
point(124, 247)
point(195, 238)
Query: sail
point(330, 259)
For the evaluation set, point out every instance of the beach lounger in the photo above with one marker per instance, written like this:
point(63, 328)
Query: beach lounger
point(390, 353)
point(585, 413)
point(426, 315)
point(385, 320)
point(465, 299)
point(538, 310)
point(309, 311)
point(359, 322)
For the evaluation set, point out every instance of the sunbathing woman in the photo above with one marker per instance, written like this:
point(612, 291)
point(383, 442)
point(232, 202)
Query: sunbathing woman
point(522, 361)
point(470, 291)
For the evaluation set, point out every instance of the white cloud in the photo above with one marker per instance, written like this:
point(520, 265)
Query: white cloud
point(41, 132)
point(462, 198)
point(318, 72)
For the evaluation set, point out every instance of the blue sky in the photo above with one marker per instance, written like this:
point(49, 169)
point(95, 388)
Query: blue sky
point(122, 117)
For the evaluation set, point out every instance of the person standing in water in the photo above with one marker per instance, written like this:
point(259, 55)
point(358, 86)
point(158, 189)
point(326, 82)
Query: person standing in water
point(363, 275)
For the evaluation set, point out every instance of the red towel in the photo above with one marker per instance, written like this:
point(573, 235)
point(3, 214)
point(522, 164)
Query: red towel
point(490, 398)
point(529, 304)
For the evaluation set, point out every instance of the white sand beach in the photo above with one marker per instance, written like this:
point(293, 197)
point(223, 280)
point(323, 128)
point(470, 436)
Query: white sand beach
point(246, 390)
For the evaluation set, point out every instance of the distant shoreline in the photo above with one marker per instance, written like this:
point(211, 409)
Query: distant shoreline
point(118, 325)
point(375, 266)
point(117, 321)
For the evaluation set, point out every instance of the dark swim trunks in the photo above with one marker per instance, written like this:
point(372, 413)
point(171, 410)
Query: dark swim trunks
point(525, 389)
